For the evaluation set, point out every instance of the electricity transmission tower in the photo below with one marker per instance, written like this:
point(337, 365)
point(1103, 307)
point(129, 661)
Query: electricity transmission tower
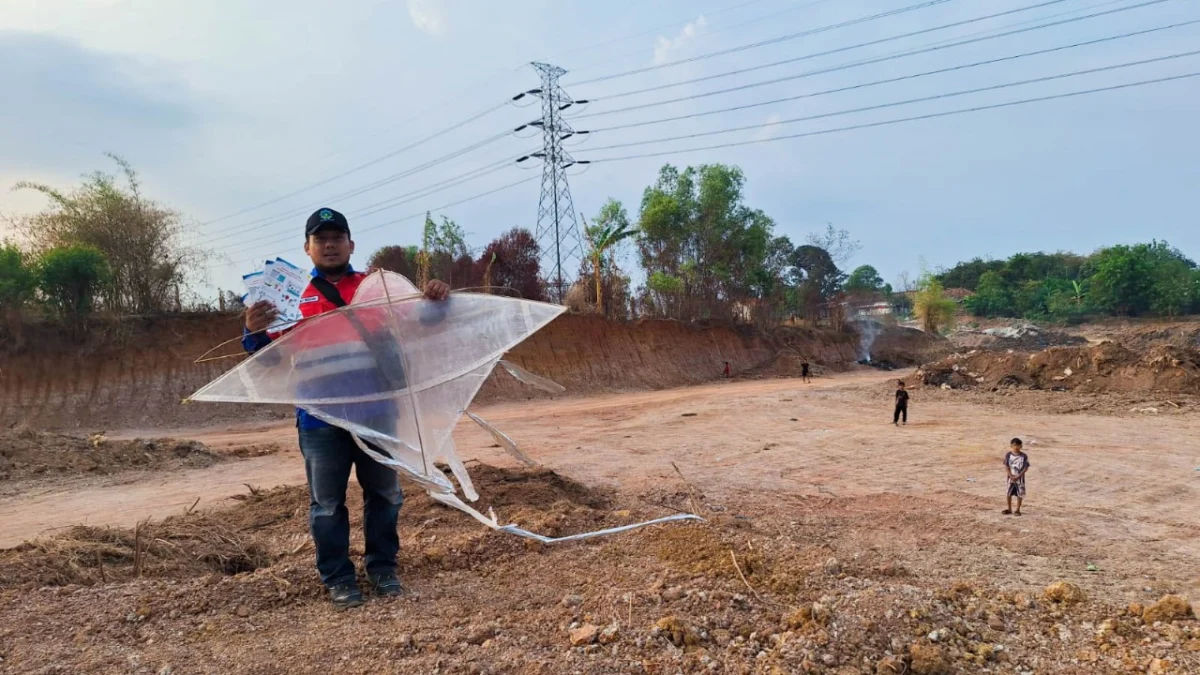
point(557, 228)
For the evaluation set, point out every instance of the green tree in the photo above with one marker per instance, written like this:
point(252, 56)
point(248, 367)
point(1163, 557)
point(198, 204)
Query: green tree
point(992, 297)
point(18, 280)
point(864, 279)
point(696, 229)
point(70, 279)
point(610, 227)
point(140, 238)
point(969, 274)
point(1131, 280)
point(816, 278)
point(932, 307)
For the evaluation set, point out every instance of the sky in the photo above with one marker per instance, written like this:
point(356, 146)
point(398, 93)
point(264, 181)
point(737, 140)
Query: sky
point(247, 116)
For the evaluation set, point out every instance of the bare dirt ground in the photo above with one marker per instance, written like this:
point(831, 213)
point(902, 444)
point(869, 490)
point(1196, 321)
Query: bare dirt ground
point(834, 542)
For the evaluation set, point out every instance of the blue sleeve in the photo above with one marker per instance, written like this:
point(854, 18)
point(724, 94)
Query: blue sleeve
point(253, 342)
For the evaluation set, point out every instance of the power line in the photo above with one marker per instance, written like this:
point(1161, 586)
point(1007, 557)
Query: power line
point(420, 193)
point(409, 217)
point(855, 64)
point(869, 125)
point(652, 31)
point(360, 167)
point(280, 216)
point(456, 126)
point(776, 40)
point(901, 78)
point(910, 101)
point(726, 29)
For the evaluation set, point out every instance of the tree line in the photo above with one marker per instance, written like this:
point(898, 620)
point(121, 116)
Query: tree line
point(102, 244)
point(704, 253)
point(1153, 279)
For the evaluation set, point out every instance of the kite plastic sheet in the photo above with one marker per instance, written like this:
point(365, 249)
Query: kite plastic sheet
point(397, 371)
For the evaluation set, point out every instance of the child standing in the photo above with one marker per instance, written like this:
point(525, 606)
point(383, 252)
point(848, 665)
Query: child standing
point(1016, 463)
point(901, 405)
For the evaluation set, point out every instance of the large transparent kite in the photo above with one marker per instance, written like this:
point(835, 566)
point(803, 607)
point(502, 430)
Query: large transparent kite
point(398, 371)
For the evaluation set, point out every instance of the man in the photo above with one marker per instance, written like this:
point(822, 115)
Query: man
point(804, 376)
point(330, 452)
point(901, 405)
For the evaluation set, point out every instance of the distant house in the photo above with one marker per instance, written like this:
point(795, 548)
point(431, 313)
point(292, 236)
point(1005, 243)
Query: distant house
point(877, 308)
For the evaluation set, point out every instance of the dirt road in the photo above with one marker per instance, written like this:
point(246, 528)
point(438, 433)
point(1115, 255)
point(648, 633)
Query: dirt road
point(1119, 489)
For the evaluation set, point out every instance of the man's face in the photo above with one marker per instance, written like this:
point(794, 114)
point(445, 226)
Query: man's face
point(329, 249)
point(1015, 448)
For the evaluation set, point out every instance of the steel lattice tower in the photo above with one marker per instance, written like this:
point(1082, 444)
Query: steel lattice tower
point(557, 228)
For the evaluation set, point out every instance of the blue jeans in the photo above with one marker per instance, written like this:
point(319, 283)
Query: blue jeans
point(329, 452)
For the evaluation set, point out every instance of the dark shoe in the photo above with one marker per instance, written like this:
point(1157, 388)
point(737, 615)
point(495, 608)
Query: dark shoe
point(1016, 513)
point(345, 596)
point(1006, 512)
point(386, 584)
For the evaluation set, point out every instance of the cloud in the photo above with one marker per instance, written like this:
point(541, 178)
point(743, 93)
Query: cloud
point(72, 103)
point(426, 16)
point(663, 47)
point(770, 130)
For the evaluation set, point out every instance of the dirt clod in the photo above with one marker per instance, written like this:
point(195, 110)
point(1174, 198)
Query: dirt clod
point(1064, 592)
point(1169, 608)
point(928, 660)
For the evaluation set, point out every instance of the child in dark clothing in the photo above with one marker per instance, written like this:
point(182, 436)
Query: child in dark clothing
point(901, 405)
point(1016, 463)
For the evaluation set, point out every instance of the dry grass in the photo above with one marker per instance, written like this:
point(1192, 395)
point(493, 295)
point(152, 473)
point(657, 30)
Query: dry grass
point(191, 544)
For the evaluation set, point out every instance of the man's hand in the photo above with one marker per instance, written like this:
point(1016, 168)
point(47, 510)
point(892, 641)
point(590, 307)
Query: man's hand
point(437, 290)
point(260, 315)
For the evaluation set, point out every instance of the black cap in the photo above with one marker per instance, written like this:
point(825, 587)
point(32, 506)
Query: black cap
point(326, 218)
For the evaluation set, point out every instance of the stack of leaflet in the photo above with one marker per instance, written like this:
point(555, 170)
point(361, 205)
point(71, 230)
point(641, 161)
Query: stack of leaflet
point(280, 283)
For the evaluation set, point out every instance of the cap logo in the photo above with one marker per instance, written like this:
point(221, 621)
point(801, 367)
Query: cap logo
point(325, 215)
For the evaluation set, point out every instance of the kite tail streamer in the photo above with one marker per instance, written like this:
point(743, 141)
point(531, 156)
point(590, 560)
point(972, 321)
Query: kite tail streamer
point(491, 522)
point(543, 383)
point(502, 438)
point(450, 499)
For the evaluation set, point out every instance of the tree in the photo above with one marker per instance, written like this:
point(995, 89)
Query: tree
point(610, 227)
point(932, 307)
point(838, 243)
point(1122, 279)
point(18, 280)
point(513, 261)
point(969, 274)
point(697, 231)
point(70, 279)
point(991, 297)
point(140, 239)
point(815, 277)
point(398, 259)
point(865, 280)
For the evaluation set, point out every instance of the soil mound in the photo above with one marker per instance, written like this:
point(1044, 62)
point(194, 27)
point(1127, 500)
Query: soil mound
point(901, 346)
point(1020, 337)
point(1106, 367)
point(25, 453)
point(267, 526)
